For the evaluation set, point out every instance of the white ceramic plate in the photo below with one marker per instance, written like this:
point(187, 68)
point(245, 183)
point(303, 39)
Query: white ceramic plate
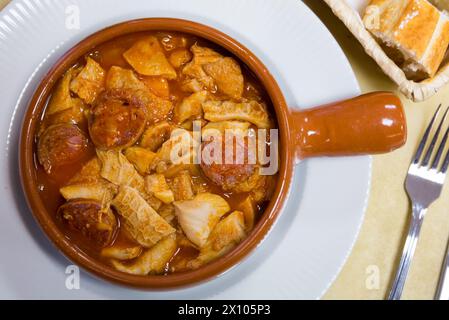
point(316, 231)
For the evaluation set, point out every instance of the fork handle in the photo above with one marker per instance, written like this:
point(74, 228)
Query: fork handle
point(407, 253)
point(443, 283)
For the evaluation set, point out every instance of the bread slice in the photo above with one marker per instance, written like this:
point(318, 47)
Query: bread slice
point(414, 33)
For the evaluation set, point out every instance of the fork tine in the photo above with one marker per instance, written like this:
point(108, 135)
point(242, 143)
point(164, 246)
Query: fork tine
point(445, 163)
point(429, 152)
point(436, 161)
point(423, 142)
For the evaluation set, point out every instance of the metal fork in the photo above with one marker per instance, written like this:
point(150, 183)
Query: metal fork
point(423, 184)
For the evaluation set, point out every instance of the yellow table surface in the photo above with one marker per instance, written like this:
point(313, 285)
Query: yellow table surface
point(368, 271)
point(381, 238)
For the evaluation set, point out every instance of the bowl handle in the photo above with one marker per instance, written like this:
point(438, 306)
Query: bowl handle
point(369, 124)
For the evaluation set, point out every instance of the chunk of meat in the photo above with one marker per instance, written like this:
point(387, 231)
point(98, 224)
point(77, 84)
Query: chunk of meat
point(89, 184)
point(230, 229)
point(194, 85)
point(117, 119)
point(120, 78)
point(226, 235)
point(89, 173)
point(116, 168)
point(260, 187)
point(154, 202)
point(152, 261)
point(190, 107)
point(157, 85)
point(73, 115)
point(147, 58)
point(141, 221)
point(180, 57)
point(176, 169)
point(193, 124)
point(225, 169)
point(91, 219)
point(61, 144)
point(167, 211)
point(155, 135)
point(156, 185)
point(200, 184)
point(121, 253)
point(196, 78)
point(182, 146)
point(249, 210)
point(141, 158)
point(89, 82)
point(227, 126)
point(239, 177)
point(227, 75)
point(160, 166)
point(199, 216)
point(251, 111)
point(62, 107)
point(182, 186)
point(61, 98)
point(102, 192)
point(158, 109)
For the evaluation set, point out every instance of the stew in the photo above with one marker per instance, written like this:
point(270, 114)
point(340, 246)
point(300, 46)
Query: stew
point(120, 164)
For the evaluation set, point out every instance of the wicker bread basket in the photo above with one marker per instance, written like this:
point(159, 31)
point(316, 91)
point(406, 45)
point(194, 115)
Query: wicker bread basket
point(351, 13)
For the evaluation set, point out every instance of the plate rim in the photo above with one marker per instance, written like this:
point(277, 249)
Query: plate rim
point(370, 161)
point(348, 66)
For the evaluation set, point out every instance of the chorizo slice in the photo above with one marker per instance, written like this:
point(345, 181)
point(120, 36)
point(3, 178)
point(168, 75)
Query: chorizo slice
point(59, 145)
point(117, 119)
point(90, 219)
point(224, 171)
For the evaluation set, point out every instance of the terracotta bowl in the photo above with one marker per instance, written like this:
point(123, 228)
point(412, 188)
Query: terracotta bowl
point(368, 124)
